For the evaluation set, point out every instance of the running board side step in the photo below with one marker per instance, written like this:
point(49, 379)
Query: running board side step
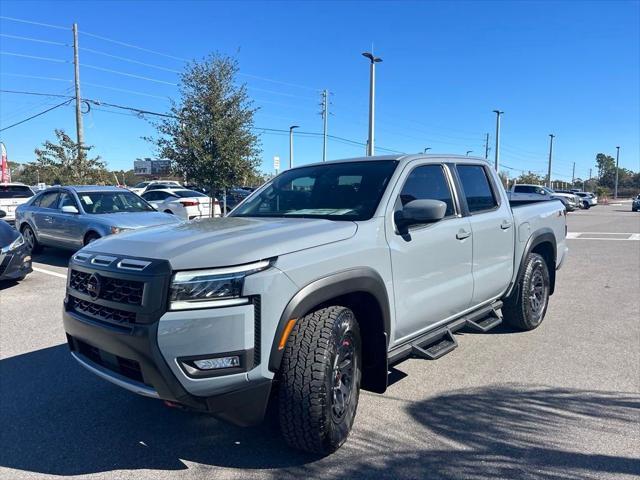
point(486, 322)
point(436, 348)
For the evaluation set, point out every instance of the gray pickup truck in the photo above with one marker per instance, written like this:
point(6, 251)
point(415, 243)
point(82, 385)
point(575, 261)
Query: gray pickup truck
point(312, 287)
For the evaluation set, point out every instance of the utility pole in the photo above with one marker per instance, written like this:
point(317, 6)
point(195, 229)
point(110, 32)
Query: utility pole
point(615, 190)
point(589, 177)
point(551, 137)
point(486, 146)
point(573, 175)
point(372, 97)
point(498, 113)
point(291, 144)
point(325, 118)
point(76, 67)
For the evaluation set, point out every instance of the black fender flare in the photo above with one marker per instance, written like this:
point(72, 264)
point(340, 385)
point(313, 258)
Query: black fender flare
point(543, 235)
point(362, 279)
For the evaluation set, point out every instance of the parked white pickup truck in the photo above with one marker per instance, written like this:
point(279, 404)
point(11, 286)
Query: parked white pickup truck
point(312, 287)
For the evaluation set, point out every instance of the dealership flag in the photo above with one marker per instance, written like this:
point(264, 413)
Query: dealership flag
point(6, 174)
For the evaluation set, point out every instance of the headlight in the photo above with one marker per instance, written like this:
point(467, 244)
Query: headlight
point(115, 230)
point(218, 287)
point(17, 243)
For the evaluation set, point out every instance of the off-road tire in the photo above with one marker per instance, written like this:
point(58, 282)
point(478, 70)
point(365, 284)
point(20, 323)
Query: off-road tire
point(525, 308)
point(316, 413)
point(31, 239)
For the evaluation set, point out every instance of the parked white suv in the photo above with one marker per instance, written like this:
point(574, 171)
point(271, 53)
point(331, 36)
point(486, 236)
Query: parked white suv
point(13, 195)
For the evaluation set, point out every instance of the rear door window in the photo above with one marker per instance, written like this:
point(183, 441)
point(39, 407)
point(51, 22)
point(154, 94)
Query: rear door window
point(477, 189)
point(48, 200)
point(15, 191)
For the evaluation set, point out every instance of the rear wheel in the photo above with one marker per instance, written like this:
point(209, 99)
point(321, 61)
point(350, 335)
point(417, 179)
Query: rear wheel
point(320, 380)
point(525, 308)
point(31, 239)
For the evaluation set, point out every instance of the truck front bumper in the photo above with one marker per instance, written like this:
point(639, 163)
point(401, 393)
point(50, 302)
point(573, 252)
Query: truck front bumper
point(132, 359)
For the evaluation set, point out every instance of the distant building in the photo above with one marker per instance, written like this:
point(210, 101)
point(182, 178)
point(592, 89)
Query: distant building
point(149, 167)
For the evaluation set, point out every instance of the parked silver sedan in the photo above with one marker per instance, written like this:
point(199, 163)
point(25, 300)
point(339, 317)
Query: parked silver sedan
point(71, 217)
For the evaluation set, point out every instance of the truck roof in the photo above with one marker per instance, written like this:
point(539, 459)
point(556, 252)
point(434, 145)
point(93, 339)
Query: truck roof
point(404, 158)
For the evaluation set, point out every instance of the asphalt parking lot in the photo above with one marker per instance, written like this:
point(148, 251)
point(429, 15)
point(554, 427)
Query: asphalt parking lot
point(561, 402)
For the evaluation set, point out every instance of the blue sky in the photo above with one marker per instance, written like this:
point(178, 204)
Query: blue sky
point(568, 68)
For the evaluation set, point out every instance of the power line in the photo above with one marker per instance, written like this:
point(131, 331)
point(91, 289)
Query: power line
point(37, 77)
point(31, 39)
point(132, 75)
point(130, 60)
point(250, 87)
point(30, 22)
point(34, 57)
point(124, 90)
point(257, 77)
point(140, 111)
point(129, 45)
point(67, 102)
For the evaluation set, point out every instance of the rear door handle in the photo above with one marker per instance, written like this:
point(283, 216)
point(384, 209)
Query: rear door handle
point(505, 225)
point(462, 234)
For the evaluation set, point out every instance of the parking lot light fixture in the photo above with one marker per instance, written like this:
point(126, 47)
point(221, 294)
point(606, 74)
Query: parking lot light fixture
point(372, 94)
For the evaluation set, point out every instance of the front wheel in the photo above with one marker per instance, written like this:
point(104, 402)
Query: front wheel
point(31, 239)
point(320, 380)
point(587, 205)
point(525, 308)
point(90, 238)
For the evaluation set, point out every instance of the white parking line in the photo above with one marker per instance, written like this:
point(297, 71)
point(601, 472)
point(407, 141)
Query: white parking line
point(49, 272)
point(611, 236)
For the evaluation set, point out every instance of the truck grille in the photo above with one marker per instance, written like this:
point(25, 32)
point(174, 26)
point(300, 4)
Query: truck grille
point(116, 290)
point(100, 312)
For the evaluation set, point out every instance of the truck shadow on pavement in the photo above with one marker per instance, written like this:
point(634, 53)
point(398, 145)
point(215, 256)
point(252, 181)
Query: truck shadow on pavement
point(58, 419)
point(53, 257)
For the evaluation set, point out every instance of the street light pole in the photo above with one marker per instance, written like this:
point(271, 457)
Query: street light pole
point(291, 144)
point(468, 152)
point(497, 163)
point(551, 137)
point(372, 95)
point(426, 149)
point(615, 190)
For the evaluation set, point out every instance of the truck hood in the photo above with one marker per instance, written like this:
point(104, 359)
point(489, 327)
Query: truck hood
point(225, 241)
point(136, 220)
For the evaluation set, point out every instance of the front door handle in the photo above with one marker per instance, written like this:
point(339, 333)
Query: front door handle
point(505, 225)
point(462, 234)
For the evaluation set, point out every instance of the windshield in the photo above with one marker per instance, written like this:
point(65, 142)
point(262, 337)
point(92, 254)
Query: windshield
point(187, 194)
point(15, 191)
point(113, 202)
point(334, 191)
point(141, 185)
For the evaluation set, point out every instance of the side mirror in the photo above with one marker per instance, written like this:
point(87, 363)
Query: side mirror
point(70, 209)
point(419, 212)
point(3, 214)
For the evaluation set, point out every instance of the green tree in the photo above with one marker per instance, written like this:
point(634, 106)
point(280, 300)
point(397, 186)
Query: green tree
point(65, 163)
point(208, 136)
point(531, 178)
point(606, 165)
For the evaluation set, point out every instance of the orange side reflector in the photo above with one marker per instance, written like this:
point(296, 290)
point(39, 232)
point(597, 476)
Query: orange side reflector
point(286, 332)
